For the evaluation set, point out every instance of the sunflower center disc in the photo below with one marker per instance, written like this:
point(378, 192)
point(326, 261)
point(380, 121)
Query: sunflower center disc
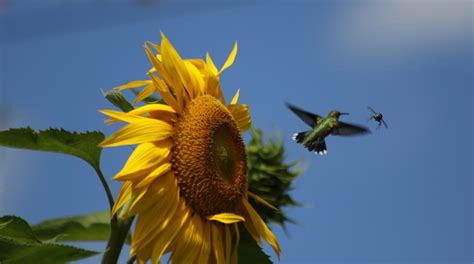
point(209, 157)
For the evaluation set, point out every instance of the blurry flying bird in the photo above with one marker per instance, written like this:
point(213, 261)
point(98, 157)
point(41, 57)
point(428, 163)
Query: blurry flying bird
point(313, 139)
point(378, 117)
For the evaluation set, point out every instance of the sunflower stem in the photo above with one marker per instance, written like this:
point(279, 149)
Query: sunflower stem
point(132, 259)
point(118, 233)
point(110, 197)
point(119, 229)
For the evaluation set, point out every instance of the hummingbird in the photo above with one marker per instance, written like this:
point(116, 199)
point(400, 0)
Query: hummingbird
point(314, 139)
point(378, 117)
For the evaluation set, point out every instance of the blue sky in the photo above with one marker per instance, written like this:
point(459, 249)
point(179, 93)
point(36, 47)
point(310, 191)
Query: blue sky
point(398, 195)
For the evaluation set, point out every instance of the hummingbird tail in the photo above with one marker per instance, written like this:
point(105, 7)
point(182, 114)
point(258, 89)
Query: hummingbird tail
point(299, 137)
point(318, 146)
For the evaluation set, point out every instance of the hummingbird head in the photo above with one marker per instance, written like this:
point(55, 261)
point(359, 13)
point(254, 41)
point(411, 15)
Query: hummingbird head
point(336, 114)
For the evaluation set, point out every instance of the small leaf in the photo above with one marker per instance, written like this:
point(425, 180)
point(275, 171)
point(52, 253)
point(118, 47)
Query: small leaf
point(92, 227)
point(81, 145)
point(18, 244)
point(249, 251)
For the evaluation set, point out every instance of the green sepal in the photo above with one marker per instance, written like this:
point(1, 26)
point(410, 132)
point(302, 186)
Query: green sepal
point(116, 97)
point(270, 177)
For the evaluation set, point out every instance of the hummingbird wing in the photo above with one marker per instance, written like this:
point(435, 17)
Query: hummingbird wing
point(309, 118)
point(371, 110)
point(346, 129)
point(384, 123)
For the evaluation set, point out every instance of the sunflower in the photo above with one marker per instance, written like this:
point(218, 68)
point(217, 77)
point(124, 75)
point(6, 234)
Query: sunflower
point(186, 180)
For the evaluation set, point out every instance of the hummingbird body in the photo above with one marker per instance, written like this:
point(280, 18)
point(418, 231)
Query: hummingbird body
point(314, 139)
point(321, 130)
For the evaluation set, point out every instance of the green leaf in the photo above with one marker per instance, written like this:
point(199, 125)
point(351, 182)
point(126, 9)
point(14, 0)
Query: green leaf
point(249, 250)
point(13, 252)
point(18, 244)
point(81, 145)
point(92, 227)
point(16, 228)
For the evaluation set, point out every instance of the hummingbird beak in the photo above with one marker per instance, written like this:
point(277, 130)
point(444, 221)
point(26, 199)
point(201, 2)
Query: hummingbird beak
point(344, 114)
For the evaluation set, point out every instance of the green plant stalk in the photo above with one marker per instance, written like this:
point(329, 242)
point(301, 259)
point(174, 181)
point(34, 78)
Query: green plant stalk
point(119, 228)
point(132, 259)
point(110, 197)
point(118, 233)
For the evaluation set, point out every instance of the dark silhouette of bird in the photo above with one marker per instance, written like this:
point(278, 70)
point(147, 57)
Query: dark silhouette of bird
point(378, 117)
point(314, 139)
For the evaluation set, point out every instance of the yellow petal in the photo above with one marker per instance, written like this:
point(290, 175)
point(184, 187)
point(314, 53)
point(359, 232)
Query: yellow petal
point(158, 65)
point(111, 121)
point(144, 254)
point(164, 168)
point(236, 97)
point(165, 93)
point(150, 71)
point(162, 88)
point(151, 108)
point(144, 157)
point(164, 200)
point(227, 239)
point(262, 201)
point(211, 86)
point(206, 243)
point(175, 65)
point(197, 77)
point(158, 111)
point(155, 46)
point(261, 227)
point(121, 116)
point(180, 242)
point(226, 218)
point(134, 84)
point(124, 195)
point(138, 197)
point(249, 225)
point(241, 116)
point(235, 253)
point(165, 237)
point(210, 63)
point(145, 93)
point(230, 59)
point(147, 130)
point(147, 196)
point(190, 242)
point(217, 243)
point(196, 241)
point(199, 64)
